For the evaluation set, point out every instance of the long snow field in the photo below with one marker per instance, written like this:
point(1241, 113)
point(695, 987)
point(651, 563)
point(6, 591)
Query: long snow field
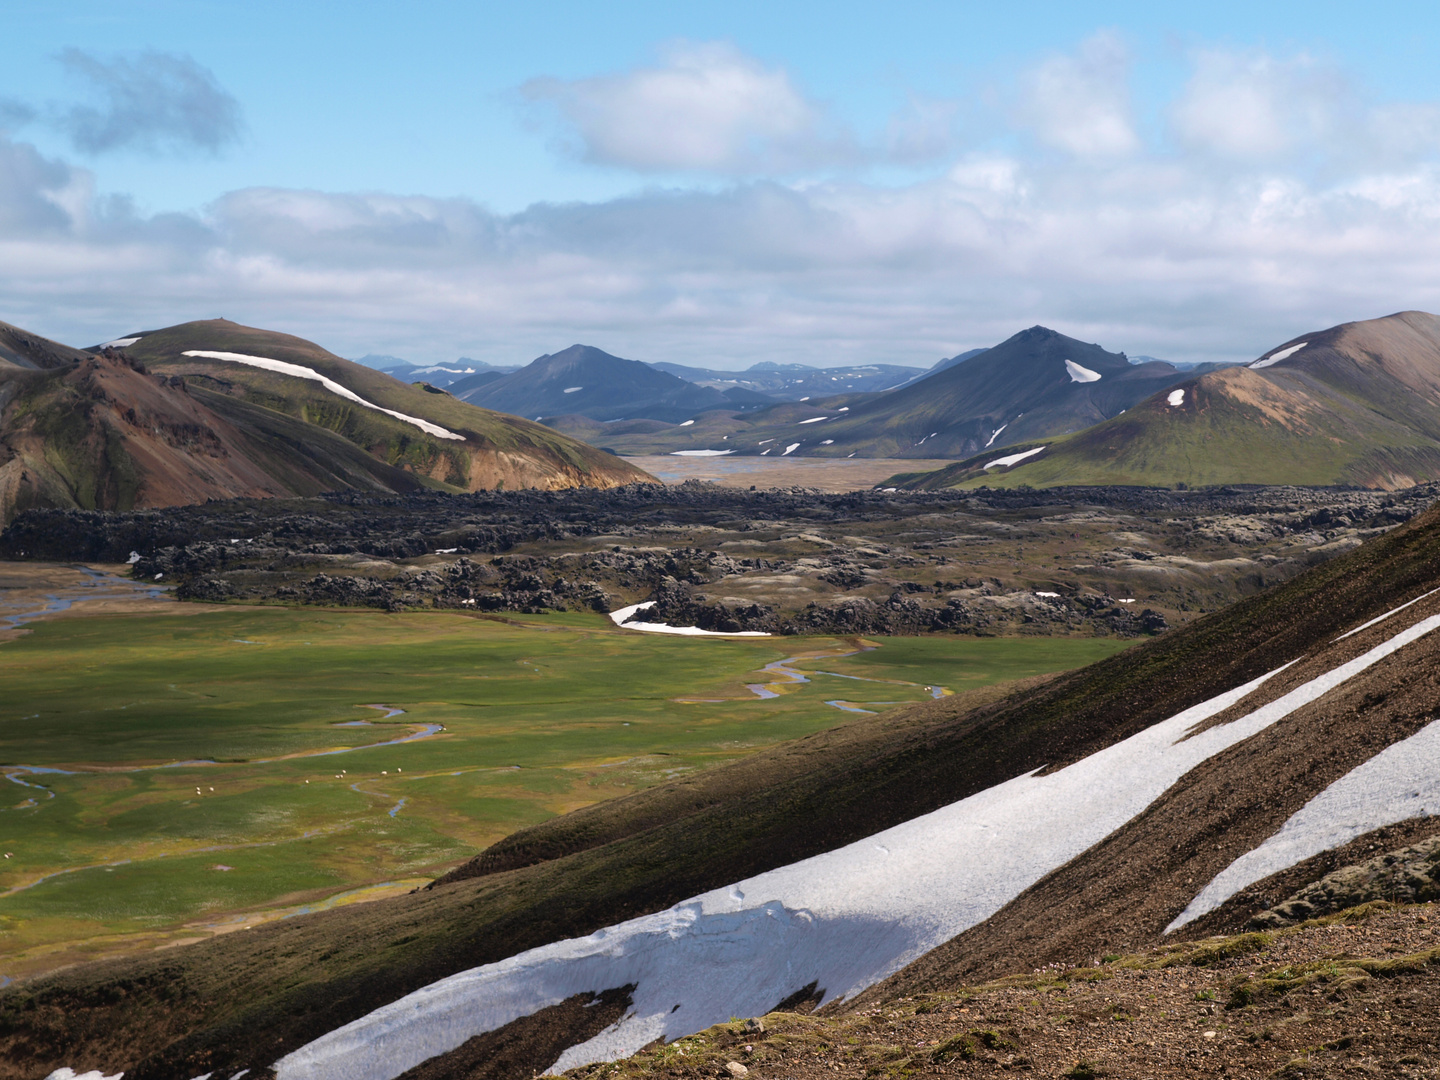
point(302, 372)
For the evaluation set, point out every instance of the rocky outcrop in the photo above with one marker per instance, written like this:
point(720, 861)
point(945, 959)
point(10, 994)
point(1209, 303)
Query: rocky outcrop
point(1410, 875)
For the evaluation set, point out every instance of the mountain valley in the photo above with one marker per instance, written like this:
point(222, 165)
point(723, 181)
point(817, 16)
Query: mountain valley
point(1255, 748)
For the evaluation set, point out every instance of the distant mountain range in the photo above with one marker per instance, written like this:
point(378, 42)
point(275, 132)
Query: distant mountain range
point(583, 381)
point(1358, 403)
point(1036, 383)
point(442, 375)
point(217, 410)
point(791, 382)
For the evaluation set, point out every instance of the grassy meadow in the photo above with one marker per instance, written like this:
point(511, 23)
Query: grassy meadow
point(220, 767)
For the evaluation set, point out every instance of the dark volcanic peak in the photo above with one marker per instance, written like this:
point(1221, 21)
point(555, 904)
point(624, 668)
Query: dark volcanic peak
point(958, 358)
point(585, 381)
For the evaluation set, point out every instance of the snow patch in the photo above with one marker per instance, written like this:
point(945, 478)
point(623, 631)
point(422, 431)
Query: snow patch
point(120, 343)
point(814, 419)
point(1283, 354)
point(301, 372)
point(791, 448)
point(700, 453)
point(1400, 782)
point(1048, 594)
point(1175, 398)
point(686, 423)
point(993, 436)
point(1013, 459)
point(843, 408)
point(1081, 374)
point(573, 389)
point(827, 442)
point(619, 616)
point(135, 557)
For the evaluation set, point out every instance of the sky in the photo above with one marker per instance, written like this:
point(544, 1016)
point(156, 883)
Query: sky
point(719, 185)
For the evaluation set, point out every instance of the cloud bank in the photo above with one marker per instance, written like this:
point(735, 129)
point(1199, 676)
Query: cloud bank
point(1257, 216)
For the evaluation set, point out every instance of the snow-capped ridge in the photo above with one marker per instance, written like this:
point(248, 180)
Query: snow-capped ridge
point(1275, 358)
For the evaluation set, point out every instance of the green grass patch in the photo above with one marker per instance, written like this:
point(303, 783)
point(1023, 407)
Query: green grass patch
point(540, 715)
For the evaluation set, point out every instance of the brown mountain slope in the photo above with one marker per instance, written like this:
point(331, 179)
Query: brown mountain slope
point(103, 435)
point(492, 448)
point(109, 431)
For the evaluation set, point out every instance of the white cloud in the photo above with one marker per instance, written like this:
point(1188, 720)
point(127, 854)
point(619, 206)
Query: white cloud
point(1202, 253)
point(1251, 105)
point(1080, 103)
point(707, 107)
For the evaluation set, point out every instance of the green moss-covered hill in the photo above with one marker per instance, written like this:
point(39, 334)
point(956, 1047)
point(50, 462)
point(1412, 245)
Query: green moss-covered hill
point(1356, 404)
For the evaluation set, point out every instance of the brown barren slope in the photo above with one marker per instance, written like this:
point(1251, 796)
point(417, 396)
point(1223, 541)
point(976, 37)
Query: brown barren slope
point(150, 427)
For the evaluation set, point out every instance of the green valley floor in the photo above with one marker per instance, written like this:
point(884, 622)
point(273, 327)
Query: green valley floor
point(187, 770)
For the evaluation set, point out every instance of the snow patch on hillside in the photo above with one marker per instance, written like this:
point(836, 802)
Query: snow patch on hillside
point(1013, 459)
point(1283, 354)
point(1400, 782)
point(619, 615)
point(1175, 398)
point(120, 343)
point(994, 435)
point(700, 453)
point(1081, 374)
point(301, 372)
point(572, 389)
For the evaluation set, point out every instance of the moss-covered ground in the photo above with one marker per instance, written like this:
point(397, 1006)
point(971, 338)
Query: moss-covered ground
point(222, 768)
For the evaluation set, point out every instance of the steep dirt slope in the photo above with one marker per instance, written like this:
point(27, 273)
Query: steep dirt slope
point(244, 1000)
point(1357, 995)
point(1356, 404)
point(103, 435)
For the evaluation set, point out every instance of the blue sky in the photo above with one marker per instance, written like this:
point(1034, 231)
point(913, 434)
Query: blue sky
point(720, 184)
